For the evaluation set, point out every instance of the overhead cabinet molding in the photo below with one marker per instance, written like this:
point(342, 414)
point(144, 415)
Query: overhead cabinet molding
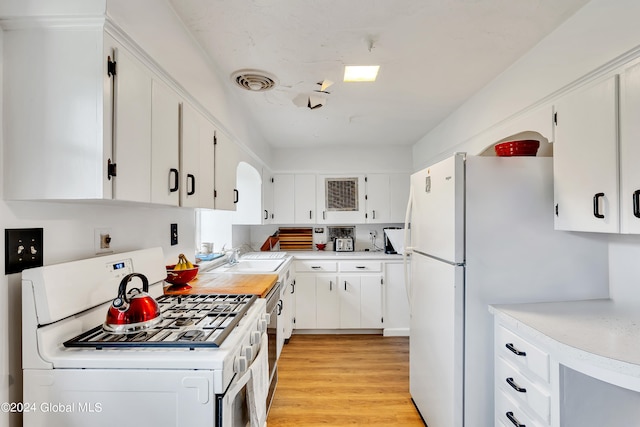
point(88, 117)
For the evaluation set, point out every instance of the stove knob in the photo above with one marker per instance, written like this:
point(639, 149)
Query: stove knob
point(248, 352)
point(255, 337)
point(262, 325)
point(267, 317)
point(240, 365)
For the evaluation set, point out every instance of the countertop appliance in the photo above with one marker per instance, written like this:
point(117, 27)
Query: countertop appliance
point(343, 244)
point(388, 245)
point(199, 365)
point(482, 233)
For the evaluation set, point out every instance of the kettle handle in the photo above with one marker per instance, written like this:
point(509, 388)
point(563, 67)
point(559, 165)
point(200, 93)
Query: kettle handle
point(122, 289)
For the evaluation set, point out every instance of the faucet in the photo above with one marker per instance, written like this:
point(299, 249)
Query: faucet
point(233, 256)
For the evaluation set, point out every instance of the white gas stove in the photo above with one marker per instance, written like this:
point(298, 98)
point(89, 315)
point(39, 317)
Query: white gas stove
point(193, 368)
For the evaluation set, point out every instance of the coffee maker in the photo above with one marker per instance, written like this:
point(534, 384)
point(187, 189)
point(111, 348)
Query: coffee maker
point(388, 246)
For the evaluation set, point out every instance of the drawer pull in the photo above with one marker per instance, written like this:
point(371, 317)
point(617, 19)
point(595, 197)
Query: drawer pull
point(515, 386)
point(514, 420)
point(361, 267)
point(514, 350)
point(316, 267)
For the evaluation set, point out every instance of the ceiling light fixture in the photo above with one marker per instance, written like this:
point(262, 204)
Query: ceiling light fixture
point(361, 73)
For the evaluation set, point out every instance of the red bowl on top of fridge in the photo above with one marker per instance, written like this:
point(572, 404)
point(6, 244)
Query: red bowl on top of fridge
point(525, 147)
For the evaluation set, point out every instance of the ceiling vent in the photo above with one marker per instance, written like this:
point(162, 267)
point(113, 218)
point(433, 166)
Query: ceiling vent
point(254, 80)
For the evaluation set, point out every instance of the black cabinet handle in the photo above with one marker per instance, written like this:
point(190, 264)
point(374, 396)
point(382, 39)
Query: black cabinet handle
point(596, 205)
point(266, 214)
point(236, 196)
point(330, 285)
point(323, 215)
point(176, 180)
point(316, 267)
point(345, 285)
point(515, 386)
point(360, 267)
point(293, 287)
point(193, 184)
point(514, 420)
point(515, 350)
point(309, 214)
point(374, 214)
point(636, 203)
point(280, 305)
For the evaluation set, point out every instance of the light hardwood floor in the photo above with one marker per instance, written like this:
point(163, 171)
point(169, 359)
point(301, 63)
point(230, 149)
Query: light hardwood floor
point(344, 380)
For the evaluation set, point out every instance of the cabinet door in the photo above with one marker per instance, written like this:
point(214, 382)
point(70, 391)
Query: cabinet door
point(399, 185)
point(378, 198)
point(341, 199)
point(132, 124)
point(328, 303)
point(283, 199)
point(165, 145)
point(226, 165)
point(396, 302)
point(305, 199)
point(371, 289)
point(206, 168)
point(267, 197)
point(630, 151)
point(349, 287)
point(305, 296)
point(189, 157)
point(585, 164)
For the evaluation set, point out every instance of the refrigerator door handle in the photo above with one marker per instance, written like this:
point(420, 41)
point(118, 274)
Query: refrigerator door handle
point(407, 249)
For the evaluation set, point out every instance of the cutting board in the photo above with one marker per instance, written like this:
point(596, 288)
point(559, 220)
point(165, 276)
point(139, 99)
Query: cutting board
point(295, 238)
point(227, 283)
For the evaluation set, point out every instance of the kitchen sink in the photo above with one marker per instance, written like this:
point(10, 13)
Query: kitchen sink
point(252, 266)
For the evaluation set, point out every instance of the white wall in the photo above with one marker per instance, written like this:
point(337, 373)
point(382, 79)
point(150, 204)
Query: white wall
point(340, 159)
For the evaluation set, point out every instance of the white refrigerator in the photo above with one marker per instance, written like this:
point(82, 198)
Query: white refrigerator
point(481, 233)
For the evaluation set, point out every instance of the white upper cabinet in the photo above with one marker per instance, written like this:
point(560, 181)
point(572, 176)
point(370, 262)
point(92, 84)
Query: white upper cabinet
point(585, 163)
point(630, 151)
point(132, 129)
point(197, 159)
point(283, 198)
point(57, 114)
point(267, 197)
point(305, 199)
point(165, 145)
point(341, 199)
point(378, 198)
point(226, 164)
point(399, 185)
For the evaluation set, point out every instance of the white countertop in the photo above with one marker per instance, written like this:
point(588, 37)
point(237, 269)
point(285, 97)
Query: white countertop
point(344, 255)
point(601, 332)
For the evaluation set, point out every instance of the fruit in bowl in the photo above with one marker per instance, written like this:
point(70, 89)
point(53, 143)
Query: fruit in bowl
point(181, 273)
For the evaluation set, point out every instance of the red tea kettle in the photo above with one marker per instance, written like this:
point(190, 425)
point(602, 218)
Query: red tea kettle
point(134, 310)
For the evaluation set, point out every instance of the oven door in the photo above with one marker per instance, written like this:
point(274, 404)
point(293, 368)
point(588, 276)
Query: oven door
point(234, 407)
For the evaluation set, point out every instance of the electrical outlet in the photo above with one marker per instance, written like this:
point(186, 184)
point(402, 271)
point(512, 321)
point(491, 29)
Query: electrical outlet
point(102, 240)
point(23, 248)
point(373, 233)
point(174, 234)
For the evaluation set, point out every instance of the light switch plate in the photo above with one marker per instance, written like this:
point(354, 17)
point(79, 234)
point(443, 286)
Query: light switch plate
point(23, 248)
point(174, 234)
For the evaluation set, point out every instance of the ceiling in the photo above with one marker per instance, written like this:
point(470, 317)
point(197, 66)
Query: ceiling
point(433, 55)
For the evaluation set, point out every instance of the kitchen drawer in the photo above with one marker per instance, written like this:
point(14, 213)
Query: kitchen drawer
point(522, 353)
point(316, 266)
point(511, 414)
point(516, 385)
point(360, 266)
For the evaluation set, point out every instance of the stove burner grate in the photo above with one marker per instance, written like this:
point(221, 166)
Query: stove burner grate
point(189, 321)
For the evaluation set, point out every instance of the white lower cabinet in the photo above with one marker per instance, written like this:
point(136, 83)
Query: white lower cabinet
point(332, 300)
point(522, 380)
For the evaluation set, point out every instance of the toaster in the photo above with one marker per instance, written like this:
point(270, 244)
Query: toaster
point(343, 244)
